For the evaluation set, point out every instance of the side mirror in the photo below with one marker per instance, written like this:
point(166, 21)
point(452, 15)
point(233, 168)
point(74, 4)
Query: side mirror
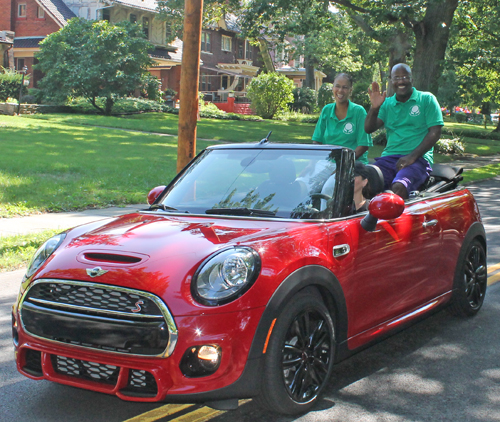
point(155, 193)
point(385, 206)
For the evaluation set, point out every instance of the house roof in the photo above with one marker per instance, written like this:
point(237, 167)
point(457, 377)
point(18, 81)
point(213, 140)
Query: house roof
point(149, 5)
point(58, 10)
point(27, 42)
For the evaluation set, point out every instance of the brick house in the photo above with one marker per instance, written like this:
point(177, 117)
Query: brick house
point(229, 62)
point(30, 21)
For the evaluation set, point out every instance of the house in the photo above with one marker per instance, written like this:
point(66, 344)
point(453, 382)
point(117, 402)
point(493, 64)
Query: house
point(29, 22)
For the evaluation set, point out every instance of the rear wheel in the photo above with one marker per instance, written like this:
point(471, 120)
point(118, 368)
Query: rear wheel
point(299, 356)
point(470, 281)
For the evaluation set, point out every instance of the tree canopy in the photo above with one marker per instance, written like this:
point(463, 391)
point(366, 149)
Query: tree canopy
point(94, 59)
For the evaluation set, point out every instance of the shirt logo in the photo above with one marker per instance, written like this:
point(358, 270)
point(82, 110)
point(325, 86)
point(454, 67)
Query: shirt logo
point(415, 111)
point(348, 128)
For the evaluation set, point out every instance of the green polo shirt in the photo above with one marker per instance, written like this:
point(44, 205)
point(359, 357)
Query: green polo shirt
point(407, 123)
point(348, 132)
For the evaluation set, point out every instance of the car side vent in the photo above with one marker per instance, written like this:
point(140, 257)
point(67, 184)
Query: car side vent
point(107, 257)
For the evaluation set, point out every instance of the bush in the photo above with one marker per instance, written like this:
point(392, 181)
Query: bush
point(37, 94)
point(450, 146)
point(10, 83)
point(460, 117)
point(295, 116)
point(325, 95)
point(270, 93)
point(304, 100)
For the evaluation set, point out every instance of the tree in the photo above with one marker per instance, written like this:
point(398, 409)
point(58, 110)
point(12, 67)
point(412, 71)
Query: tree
point(270, 93)
point(94, 59)
point(474, 54)
point(416, 31)
point(277, 20)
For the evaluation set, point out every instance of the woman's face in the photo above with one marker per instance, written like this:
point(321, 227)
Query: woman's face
point(341, 89)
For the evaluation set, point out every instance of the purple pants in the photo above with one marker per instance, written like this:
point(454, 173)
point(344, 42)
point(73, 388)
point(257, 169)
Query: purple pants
point(411, 177)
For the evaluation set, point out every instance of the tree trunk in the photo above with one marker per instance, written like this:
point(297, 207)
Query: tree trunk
point(432, 35)
point(399, 46)
point(266, 57)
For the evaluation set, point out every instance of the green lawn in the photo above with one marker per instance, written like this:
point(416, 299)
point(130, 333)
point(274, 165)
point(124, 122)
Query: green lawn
point(65, 161)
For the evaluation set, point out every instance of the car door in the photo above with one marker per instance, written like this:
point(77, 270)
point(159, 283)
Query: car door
point(391, 267)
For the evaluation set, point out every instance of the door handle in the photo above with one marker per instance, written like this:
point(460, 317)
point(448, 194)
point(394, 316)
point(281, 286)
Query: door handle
point(429, 223)
point(341, 250)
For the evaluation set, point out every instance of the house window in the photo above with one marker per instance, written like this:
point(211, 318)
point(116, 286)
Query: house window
point(40, 13)
point(226, 43)
point(224, 82)
point(206, 41)
point(205, 84)
point(19, 64)
point(21, 11)
point(106, 15)
point(241, 50)
point(248, 54)
point(168, 32)
point(145, 27)
point(133, 18)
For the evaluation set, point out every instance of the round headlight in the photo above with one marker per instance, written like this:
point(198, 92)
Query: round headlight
point(225, 276)
point(43, 253)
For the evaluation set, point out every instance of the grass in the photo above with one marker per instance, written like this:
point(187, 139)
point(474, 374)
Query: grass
point(16, 251)
point(63, 162)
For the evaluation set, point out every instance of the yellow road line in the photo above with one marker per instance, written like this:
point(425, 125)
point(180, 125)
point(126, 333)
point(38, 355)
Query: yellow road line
point(493, 268)
point(160, 412)
point(493, 279)
point(199, 415)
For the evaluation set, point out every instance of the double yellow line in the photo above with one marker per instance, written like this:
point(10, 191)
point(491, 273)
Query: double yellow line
point(197, 415)
point(493, 274)
point(203, 414)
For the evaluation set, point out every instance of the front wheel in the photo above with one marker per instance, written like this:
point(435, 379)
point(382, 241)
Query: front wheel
point(299, 356)
point(471, 279)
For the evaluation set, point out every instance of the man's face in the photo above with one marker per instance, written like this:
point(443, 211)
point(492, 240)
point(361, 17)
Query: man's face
point(402, 83)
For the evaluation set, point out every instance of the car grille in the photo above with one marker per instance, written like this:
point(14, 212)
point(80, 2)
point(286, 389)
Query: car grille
point(98, 316)
point(91, 371)
point(140, 383)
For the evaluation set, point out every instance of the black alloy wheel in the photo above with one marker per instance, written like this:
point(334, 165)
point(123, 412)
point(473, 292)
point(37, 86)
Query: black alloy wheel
point(471, 280)
point(300, 356)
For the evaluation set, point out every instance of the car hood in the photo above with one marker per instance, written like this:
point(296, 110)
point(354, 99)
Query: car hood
point(151, 252)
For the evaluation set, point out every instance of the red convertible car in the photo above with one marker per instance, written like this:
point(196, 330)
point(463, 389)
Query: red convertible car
point(250, 275)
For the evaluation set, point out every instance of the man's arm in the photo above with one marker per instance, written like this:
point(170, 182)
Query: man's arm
point(427, 143)
point(360, 150)
point(372, 122)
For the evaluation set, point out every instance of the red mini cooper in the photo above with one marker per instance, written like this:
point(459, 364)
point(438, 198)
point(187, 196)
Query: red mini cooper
point(250, 275)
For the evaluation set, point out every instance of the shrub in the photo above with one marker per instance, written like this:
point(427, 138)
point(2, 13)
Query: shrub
point(10, 83)
point(270, 93)
point(325, 95)
point(304, 100)
point(450, 146)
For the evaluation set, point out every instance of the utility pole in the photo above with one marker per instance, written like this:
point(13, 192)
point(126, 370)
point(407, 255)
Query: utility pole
point(190, 74)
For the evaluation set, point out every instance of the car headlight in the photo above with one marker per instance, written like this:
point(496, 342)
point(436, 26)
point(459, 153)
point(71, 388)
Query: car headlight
point(225, 276)
point(43, 253)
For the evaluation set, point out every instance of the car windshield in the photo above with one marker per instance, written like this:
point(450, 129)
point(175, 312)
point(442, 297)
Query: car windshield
point(257, 182)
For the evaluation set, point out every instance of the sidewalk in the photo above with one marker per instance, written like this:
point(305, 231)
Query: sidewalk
point(65, 220)
point(61, 220)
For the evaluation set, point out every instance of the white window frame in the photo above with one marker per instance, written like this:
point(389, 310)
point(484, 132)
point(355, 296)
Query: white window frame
point(224, 41)
point(40, 13)
point(21, 8)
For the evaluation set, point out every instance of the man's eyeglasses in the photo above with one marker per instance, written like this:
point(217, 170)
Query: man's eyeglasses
point(401, 78)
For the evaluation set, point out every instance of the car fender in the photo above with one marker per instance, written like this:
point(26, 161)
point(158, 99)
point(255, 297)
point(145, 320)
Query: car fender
point(315, 276)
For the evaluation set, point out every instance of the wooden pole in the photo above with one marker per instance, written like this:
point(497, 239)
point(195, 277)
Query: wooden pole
point(190, 73)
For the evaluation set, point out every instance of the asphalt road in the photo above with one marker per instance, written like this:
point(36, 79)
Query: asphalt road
point(442, 369)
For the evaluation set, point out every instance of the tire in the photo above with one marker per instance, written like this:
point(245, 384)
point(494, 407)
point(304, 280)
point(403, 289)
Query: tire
point(299, 356)
point(471, 278)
